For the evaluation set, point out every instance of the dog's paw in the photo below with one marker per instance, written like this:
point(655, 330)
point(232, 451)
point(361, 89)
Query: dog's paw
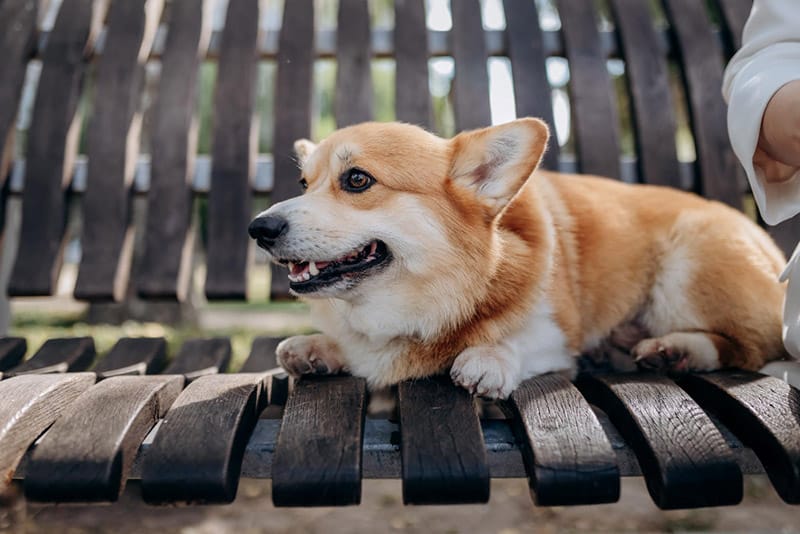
point(660, 356)
point(485, 371)
point(314, 354)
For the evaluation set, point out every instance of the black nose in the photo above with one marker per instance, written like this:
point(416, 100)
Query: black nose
point(267, 229)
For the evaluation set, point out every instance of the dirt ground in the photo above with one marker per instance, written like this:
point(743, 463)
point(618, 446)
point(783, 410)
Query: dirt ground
point(510, 511)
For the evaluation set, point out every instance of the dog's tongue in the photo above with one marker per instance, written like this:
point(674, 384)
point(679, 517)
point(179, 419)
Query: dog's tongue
point(298, 268)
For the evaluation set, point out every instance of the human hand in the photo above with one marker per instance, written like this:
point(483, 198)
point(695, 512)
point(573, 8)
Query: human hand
point(778, 150)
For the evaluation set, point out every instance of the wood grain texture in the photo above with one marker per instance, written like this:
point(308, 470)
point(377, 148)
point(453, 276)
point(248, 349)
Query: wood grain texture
point(87, 454)
point(50, 150)
point(233, 154)
point(30, 404)
point(196, 456)
point(412, 97)
point(292, 109)
point(700, 57)
point(133, 356)
point(567, 455)
point(59, 355)
point(594, 110)
point(764, 412)
point(324, 470)
point(684, 458)
point(471, 82)
point(166, 262)
point(12, 350)
point(353, 98)
point(734, 14)
point(532, 92)
point(113, 147)
point(200, 357)
point(649, 87)
point(442, 448)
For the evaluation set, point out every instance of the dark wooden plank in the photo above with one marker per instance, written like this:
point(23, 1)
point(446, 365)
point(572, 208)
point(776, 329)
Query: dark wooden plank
point(648, 85)
point(59, 356)
point(684, 458)
point(30, 404)
point(233, 154)
point(764, 412)
point(700, 57)
point(17, 40)
point(567, 455)
point(471, 83)
point(317, 459)
point(87, 454)
point(442, 448)
point(12, 350)
point(412, 97)
point(166, 262)
point(734, 14)
point(199, 357)
point(532, 92)
point(50, 149)
point(785, 234)
point(262, 355)
point(594, 109)
point(196, 456)
point(353, 75)
point(113, 147)
point(133, 356)
point(292, 109)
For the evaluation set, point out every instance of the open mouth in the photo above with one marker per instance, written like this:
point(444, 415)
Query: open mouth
point(308, 276)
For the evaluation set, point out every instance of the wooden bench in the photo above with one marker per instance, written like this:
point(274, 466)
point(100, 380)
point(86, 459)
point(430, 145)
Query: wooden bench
point(185, 427)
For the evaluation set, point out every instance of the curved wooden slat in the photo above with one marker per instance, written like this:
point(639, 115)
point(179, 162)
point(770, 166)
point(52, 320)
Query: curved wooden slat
point(87, 454)
point(442, 448)
point(233, 154)
point(353, 75)
point(532, 92)
point(684, 458)
point(323, 470)
point(592, 96)
point(567, 455)
point(12, 350)
point(196, 456)
point(133, 356)
point(412, 98)
point(292, 109)
point(764, 413)
point(59, 356)
point(648, 85)
point(200, 357)
point(168, 241)
point(471, 83)
point(262, 355)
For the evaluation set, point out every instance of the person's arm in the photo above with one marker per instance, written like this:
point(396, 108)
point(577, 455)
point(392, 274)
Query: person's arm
point(762, 87)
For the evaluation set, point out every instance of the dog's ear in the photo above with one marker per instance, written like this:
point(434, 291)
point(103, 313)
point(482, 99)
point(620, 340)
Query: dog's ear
point(303, 148)
point(495, 162)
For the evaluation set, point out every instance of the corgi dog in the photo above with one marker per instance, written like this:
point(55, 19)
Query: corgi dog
point(420, 255)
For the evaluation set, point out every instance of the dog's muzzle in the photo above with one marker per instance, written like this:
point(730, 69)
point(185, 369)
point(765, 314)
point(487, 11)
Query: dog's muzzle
point(267, 229)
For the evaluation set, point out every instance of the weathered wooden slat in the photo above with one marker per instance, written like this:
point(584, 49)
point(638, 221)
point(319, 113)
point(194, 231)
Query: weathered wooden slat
point(567, 455)
point(764, 413)
point(684, 458)
point(735, 13)
point(262, 355)
point(87, 454)
point(353, 75)
point(196, 456)
point(12, 350)
point(700, 57)
point(233, 154)
point(292, 109)
point(166, 262)
point(594, 107)
point(648, 85)
point(133, 356)
point(200, 357)
point(442, 449)
point(317, 459)
point(532, 92)
point(50, 149)
point(412, 98)
point(30, 404)
point(113, 147)
point(471, 83)
point(59, 356)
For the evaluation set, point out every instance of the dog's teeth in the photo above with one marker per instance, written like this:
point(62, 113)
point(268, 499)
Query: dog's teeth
point(306, 276)
point(291, 266)
point(312, 268)
point(373, 247)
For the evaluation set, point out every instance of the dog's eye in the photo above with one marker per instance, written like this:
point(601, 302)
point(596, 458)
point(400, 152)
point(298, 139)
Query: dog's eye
point(303, 183)
point(356, 181)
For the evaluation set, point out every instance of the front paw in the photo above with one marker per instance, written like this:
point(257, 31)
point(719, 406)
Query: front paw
point(486, 371)
point(315, 354)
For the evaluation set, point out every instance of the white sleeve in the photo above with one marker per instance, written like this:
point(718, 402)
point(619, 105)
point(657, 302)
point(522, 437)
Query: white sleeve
point(769, 58)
